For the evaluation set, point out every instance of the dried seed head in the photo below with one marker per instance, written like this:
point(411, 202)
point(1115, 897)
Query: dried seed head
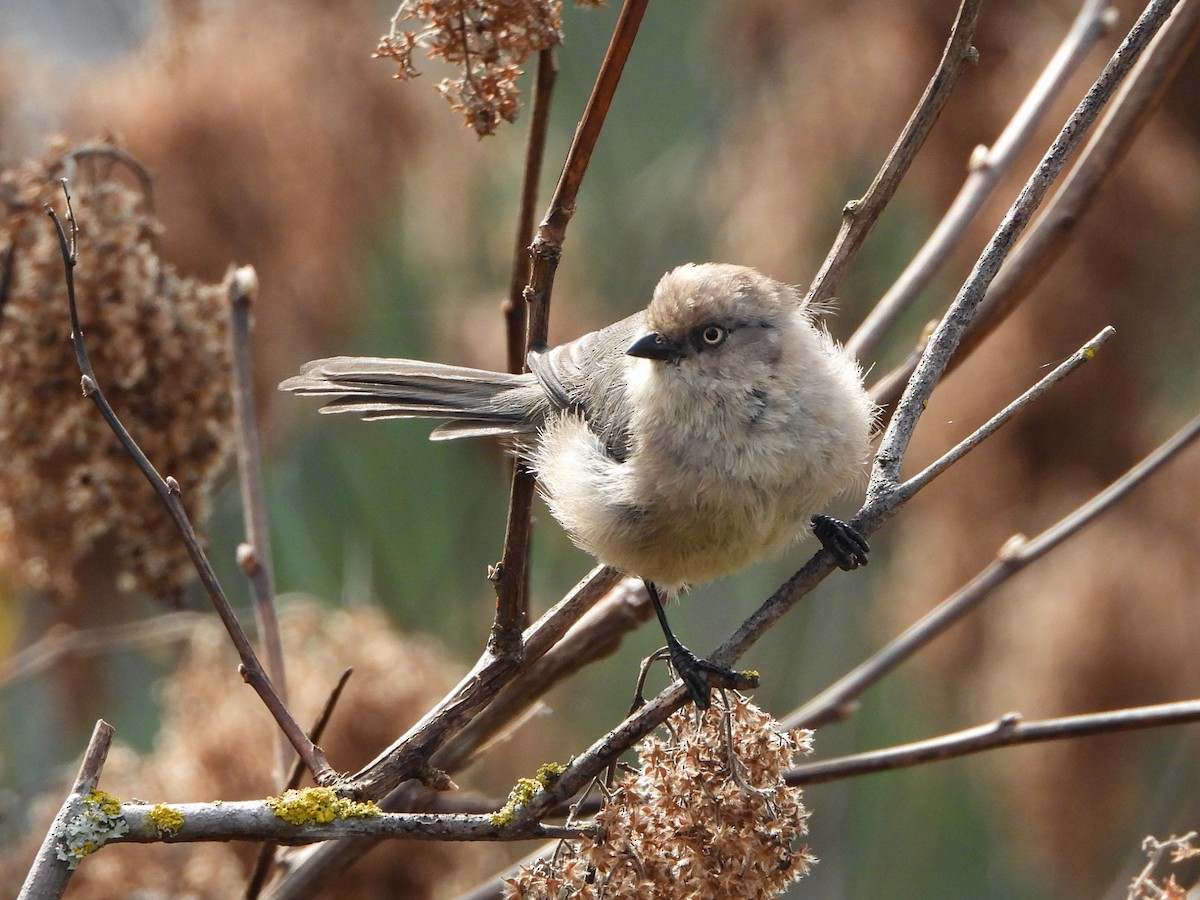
point(71, 499)
point(488, 40)
point(695, 817)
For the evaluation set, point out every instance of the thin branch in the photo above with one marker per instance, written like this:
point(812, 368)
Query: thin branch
point(256, 820)
point(1084, 354)
point(410, 755)
point(943, 343)
point(1018, 553)
point(547, 244)
point(545, 252)
point(1003, 732)
point(516, 315)
point(1051, 233)
point(254, 556)
point(49, 875)
point(859, 216)
point(457, 743)
point(266, 854)
point(511, 575)
point(168, 491)
point(987, 166)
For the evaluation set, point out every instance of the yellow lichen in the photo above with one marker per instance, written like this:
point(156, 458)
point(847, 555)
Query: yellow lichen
point(525, 789)
point(318, 806)
point(103, 801)
point(167, 820)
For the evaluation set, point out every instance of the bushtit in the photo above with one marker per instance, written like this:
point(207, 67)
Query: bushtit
point(677, 445)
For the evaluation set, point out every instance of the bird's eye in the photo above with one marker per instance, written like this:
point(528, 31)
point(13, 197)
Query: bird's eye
point(713, 335)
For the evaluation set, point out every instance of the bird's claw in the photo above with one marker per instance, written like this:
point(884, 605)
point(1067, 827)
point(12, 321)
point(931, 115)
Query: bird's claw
point(700, 676)
point(848, 547)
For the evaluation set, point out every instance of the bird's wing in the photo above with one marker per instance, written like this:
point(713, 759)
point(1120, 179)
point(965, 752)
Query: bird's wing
point(587, 376)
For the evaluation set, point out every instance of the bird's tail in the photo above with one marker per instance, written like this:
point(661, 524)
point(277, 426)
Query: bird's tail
point(474, 402)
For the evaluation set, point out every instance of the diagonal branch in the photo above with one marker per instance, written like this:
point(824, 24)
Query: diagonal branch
point(945, 339)
point(1051, 233)
point(1017, 554)
point(859, 216)
point(49, 875)
point(168, 491)
point(987, 166)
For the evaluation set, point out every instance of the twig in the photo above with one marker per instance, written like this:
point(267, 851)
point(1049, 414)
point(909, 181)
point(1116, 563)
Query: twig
point(885, 474)
point(254, 556)
point(987, 167)
point(1051, 233)
point(63, 641)
point(168, 491)
point(1018, 553)
point(266, 855)
point(545, 252)
point(516, 315)
point(1156, 850)
point(410, 755)
point(511, 575)
point(1003, 732)
point(859, 216)
point(49, 875)
point(1084, 354)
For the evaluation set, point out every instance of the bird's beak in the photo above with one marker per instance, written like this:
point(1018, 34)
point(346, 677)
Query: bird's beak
point(654, 346)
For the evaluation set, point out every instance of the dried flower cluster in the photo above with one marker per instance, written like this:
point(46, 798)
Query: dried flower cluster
point(1148, 885)
point(697, 819)
point(73, 506)
point(487, 39)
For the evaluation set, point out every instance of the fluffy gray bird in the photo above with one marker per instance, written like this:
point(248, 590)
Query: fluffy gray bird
point(677, 445)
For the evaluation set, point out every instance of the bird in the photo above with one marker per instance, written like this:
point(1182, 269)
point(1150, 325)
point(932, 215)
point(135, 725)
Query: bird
point(677, 445)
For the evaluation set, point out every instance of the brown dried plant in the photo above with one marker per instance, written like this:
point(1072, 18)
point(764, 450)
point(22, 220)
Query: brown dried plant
point(706, 807)
point(71, 500)
point(489, 40)
point(215, 742)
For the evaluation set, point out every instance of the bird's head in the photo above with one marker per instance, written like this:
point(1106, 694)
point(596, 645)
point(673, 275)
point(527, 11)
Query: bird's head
point(716, 317)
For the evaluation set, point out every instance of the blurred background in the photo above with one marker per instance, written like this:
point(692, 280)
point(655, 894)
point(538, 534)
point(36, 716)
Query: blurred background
point(380, 225)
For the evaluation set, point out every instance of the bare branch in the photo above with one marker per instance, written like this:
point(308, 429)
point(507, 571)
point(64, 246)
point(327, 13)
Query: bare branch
point(945, 339)
point(1018, 553)
point(1003, 732)
point(516, 315)
point(859, 216)
point(168, 491)
point(1051, 233)
point(987, 166)
point(257, 820)
point(1084, 354)
point(49, 875)
point(254, 556)
point(545, 252)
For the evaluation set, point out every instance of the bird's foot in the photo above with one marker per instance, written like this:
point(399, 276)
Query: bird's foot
point(700, 676)
point(849, 548)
